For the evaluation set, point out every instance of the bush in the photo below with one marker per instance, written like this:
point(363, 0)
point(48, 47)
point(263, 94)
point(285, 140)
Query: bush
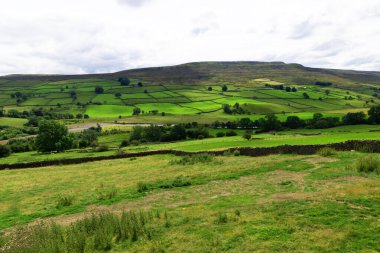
point(367, 165)
point(102, 148)
point(326, 152)
point(179, 181)
point(125, 143)
point(231, 133)
point(220, 134)
point(236, 153)
point(5, 150)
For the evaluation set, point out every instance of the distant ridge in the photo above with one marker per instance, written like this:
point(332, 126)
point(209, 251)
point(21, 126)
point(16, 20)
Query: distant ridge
point(225, 71)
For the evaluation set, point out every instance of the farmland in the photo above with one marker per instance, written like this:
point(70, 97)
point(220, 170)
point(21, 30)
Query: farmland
point(218, 200)
point(239, 202)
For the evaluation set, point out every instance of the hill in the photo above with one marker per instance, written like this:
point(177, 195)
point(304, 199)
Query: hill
point(195, 89)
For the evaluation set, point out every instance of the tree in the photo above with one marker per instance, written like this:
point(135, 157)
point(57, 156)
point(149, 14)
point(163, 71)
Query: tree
point(354, 118)
point(52, 136)
point(73, 94)
point(209, 88)
point(124, 81)
point(5, 150)
point(288, 89)
point(145, 91)
point(327, 92)
point(140, 84)
point(227, 109)
point(136, 133)
point(99, 90)
point(270, 123)
point(374, 115)
point(294, 89)
point(136, 111)
point(118, 95)
point(224, 88)
point(247, 135)
point(305, 95)
point(294, 122)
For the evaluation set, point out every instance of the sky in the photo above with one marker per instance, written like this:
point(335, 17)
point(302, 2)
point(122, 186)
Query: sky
point(97, 36)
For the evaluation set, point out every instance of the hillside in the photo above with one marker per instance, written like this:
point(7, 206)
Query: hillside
point(241, 72)
point(194, 91)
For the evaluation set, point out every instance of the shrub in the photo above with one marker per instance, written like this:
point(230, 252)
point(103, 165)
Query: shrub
point(363, 148)
point(4, 150)
point(220, 134)
point(231, 133)
point(367, 165)
point(236, 153)
point(179, 181)
point(125, 143)
point(326, 152)
point(102, 148)
point(64, 200)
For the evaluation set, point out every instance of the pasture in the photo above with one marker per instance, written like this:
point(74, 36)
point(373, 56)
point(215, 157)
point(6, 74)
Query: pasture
point(225, 203)
point(174, 99)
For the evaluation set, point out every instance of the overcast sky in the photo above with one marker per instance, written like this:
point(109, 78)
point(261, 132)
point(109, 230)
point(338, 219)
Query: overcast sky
point(92, 36)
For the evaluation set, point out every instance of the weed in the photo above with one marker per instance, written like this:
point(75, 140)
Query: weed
point(104, 192)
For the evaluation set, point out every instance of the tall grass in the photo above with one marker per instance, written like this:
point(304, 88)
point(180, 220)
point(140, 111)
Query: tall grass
point(193, 159)
point(325, 152)
point(367, 164)
point(97, 233)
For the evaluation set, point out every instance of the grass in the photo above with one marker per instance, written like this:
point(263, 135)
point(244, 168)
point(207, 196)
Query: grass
point(107, 111)
point(240, 204)
point(12, 122)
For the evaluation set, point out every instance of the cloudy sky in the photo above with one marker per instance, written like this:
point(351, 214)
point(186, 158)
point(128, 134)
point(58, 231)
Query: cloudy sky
point(92, 36)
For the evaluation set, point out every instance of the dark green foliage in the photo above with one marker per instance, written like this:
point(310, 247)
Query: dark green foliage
point(209, 88)
point(270, 123)
point(53, 136)
point(88, 137)
point(21, 145)
point(374, 115)
point(136, 111)
point(224, 88)
point(99, 90)
point(323, 83)
point(354, 118)
point(247, 135)
point(220, 134)
point(102, 148)
point(305, 95)
point(231, 133)
point(5, 150)
point(294, 122)
point(125, 143)
point(124, 81)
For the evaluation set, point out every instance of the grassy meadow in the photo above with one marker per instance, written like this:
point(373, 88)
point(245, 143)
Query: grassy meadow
point(285, 203)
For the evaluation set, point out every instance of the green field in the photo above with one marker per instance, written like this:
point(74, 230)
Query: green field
point(181, 98)
point(231, 203)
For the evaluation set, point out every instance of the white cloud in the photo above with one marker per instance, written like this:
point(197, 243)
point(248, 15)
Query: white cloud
point(92, 36)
